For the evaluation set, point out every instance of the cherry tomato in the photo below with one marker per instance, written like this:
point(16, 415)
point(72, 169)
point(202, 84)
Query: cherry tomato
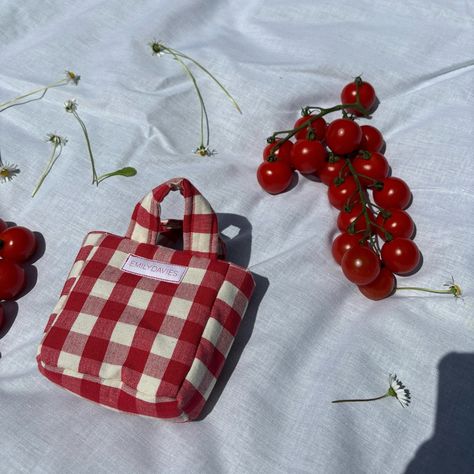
point(400, 255)
point(398, 223)
point(308, 156)
point(274, 176)
point(375, 167)
point(3, 225)
point(394, 194)
point(346, 217)
point(283, 153)
point(343, 136)
point(372, 139)
point(17, 244)
point(360, 265)
point(2, 316)
point(342, 243)
point(344, 193)
point(12, 279)
point(318, 126)
point(381, 287)
point(367, 96)
point(331, 170)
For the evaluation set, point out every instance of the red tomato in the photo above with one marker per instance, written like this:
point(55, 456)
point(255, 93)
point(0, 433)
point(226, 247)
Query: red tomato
point(3, 225)
point(12, 279)
point(318, 127)
point(394, 194)
point(2, 316)
point(331, 170)
point(398, 223)
point(308, 156)
point(400, 255)
point(381, 287)
point(343, 136)
point(360, 265)
point(372, 139)
point(283, 153)
point(375, 167)
point(344, 193)
point(274, 176)
point(342, 243)
point(346, 217)
point(17, 244)
point(367, 96)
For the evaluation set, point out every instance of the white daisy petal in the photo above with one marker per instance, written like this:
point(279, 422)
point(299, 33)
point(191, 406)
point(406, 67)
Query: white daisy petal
point(8, 171)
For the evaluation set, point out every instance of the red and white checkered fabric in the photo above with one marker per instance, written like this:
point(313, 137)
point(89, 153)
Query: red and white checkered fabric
point(140, 344)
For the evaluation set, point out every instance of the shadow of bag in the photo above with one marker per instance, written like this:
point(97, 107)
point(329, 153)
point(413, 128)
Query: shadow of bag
point(143, 328)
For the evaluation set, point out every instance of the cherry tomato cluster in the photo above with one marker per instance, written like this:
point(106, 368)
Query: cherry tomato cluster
point(375, 242)
point(17, 245)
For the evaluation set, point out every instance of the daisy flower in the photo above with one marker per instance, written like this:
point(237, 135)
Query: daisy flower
point(57, 147)
point(70, 105)
point(8, 171)
point(69, 77)
point(396, 389)
point(160, 49)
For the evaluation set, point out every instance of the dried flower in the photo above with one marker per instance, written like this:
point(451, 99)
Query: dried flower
point(396, 389)
point(58, 142)
point(204, 151)
point(159, 49)
point(56, 139)
point(156, 48)
point(70, 76)
point(70, 105)
point(453, 289)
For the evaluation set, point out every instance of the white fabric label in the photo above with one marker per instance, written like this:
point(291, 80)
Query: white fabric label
point(154, 269)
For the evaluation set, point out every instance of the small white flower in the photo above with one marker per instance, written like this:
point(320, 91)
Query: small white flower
point(56, 139)
point(70, 105)
point(204, 151)
point(72, 77)
point(398, 390)
point(8, 171)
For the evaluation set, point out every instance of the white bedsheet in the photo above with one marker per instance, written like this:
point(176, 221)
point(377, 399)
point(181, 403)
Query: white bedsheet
point(309, 336)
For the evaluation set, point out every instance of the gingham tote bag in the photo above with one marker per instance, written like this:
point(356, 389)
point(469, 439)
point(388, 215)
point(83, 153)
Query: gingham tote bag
point(143, 328)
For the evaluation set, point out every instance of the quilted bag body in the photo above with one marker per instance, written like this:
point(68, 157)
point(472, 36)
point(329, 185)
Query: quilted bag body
point(144, 328)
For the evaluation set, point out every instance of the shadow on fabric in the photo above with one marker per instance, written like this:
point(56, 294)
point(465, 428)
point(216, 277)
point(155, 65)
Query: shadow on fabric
point(238, 252)
point(451, 449)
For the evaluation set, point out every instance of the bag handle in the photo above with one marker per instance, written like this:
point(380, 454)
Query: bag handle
point(200, 228)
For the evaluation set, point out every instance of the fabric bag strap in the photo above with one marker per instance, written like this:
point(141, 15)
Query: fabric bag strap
point(200, 228)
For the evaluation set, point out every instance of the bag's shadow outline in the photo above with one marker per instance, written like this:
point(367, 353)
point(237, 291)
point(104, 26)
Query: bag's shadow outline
point(238, 252)
point(451, 448)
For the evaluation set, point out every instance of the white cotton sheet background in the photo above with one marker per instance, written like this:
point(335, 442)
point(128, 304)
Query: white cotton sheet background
point(309, 336)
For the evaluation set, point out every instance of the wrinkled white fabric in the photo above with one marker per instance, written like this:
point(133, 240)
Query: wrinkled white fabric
point(309, 336)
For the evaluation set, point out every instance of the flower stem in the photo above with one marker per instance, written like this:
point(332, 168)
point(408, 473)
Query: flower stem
point(452, 290)
point(89, 148)
point(362, 399)
point(44, 89)
point(204, 116)
point(52, 160)
point(179, 53)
